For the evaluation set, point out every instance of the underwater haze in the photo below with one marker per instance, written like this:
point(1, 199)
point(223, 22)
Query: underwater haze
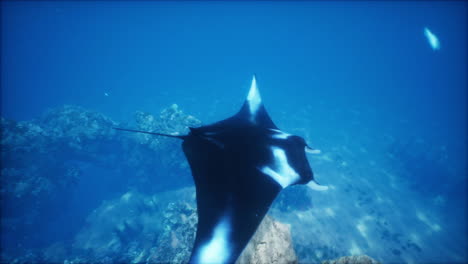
point(379, 87)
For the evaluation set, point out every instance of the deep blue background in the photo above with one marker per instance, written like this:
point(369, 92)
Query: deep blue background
point(150, 53)
point(312, 60)
point(201, 55)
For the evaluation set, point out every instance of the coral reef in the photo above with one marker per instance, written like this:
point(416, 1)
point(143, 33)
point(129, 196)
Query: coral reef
point(161, 229)
point(48, 165)
point(119, 228)
point(166, 151)
point(139, 228)
point(361, 259)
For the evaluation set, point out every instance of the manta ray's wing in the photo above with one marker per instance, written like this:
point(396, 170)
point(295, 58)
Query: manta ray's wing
point(232, 199)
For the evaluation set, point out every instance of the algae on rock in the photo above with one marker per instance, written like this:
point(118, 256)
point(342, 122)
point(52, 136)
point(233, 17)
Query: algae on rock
point(44, 161)
point(360, 259)
point(271, 243)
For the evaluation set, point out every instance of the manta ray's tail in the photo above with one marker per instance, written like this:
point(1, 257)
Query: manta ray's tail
point(151, 133)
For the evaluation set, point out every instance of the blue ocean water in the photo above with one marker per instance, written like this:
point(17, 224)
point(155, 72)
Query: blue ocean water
point(358, 80)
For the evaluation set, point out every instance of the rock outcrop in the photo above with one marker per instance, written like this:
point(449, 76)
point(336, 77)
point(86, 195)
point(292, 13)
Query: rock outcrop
point(361, 259)
point(270, 244)
point(161, 229)
point(44, 161)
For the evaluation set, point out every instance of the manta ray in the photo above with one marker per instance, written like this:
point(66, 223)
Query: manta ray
point(239, 166)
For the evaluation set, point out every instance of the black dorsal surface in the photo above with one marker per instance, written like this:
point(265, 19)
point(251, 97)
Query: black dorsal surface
point(239, 166)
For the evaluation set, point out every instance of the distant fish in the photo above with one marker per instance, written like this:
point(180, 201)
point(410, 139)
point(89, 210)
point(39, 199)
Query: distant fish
point(432, 39)
point(106, 94)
